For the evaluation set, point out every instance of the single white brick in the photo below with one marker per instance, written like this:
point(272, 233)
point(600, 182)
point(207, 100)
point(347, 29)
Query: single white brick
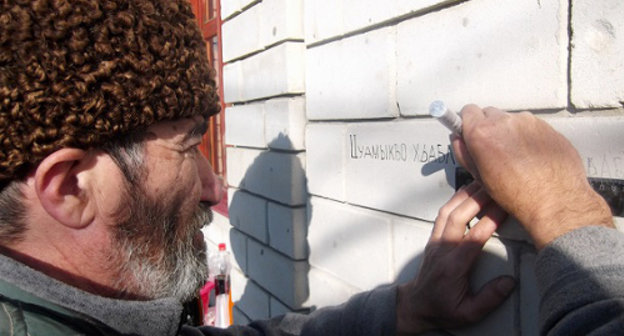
point(597, 50)
point(496, 260)
point(254, 302)
point(409, 240)
point(353, 78)
point(244, 125)
point(277, 176)
point(273, 72)
point(238, 244)
point(248, 213)
point(529, 296)
point(326, 155)
point(510, 54)
point(351, 243)
point(239, 162)
point(326, 19)
point(282, 277)
point(232, 82)
point(402, 167)
point(322, 19)
point(280, 20)
point(285, 123)
point(288, 230)
point(241, 34)
point(327, 290)
point(229, 8)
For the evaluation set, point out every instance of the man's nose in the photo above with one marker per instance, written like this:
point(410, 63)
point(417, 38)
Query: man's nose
point(213, 186)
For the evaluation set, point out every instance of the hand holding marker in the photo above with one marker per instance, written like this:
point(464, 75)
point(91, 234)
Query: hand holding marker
point(447, 117)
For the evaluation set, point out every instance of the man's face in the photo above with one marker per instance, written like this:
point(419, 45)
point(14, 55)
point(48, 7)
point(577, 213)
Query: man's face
point(161, 250)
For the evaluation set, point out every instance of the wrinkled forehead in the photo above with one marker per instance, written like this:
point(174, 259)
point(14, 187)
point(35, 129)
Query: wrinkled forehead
point(179, 129)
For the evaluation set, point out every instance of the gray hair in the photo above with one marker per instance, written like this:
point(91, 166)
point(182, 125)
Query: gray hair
point(127, 152)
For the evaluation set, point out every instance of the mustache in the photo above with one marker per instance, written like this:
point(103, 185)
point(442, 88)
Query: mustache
point(203, 215)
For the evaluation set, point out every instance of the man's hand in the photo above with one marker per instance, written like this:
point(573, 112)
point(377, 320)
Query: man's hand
point(530, 170)
point(440, 296)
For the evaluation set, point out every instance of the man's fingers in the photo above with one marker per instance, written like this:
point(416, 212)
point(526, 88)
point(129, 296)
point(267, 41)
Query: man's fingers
point(493, 216)
point(471, 111)
point(488, 298)
point(455, 227)
point(480, 233)
point(458, 198)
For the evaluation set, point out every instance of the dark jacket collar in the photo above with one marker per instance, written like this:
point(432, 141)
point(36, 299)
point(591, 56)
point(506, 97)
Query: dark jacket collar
point(155, 317)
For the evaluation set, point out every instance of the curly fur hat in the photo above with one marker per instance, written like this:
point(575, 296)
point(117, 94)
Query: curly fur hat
point(76, 73)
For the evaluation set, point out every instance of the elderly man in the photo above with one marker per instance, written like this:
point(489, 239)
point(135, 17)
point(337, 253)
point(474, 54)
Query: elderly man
point(103, 190)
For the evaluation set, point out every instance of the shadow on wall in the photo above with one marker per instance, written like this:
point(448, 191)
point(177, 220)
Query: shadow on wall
point(268, 238)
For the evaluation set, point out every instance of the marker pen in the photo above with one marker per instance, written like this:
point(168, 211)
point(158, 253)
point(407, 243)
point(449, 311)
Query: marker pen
point(447, 117)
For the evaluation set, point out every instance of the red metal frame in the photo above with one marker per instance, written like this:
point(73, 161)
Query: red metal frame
point(213, 144)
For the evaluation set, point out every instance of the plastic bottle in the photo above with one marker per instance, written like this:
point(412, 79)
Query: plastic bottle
point(220, 267)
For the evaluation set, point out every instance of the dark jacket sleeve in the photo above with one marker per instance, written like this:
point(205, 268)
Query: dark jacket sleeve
point(366, 314)
point(581, 282)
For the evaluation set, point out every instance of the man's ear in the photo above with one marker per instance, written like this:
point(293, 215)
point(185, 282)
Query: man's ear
point(59, 187)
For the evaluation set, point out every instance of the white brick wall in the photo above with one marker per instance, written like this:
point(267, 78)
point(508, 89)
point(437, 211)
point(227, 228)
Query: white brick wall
point(276, 123)
point(243, 32)
point(287, 230)
point(331, 18)
point(325, 160)
point(277, 308)
point(597, 51)
point(284, 278)
point(244, 125)
point(238, 244)
point(281, 20)
point(277, 176)
point(285, 123)
point(363, 87)
point(260, 26)
point(273, 72)
point(248, 213)
point(231, 7)
point(465, 54)
point(232, 82)
point(351, 243)
point(338, 166)
point(404, 167)
point(254, 301)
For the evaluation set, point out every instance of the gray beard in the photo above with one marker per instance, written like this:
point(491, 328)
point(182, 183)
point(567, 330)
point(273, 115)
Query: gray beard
point(156, 254)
